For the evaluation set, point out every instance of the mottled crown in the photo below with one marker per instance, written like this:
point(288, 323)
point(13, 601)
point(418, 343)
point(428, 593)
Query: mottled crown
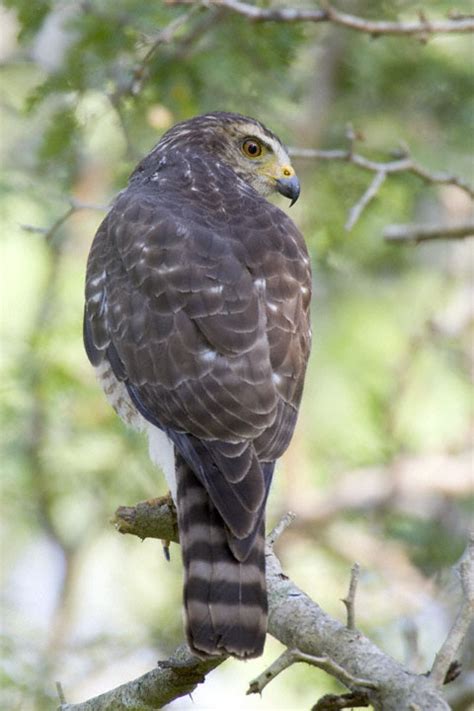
point(212, 128)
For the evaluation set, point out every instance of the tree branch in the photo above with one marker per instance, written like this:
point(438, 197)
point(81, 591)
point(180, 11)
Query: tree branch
point(356, 210)
point(295, 620)
point(450, 648)
point(405, 164)
point(148, 517)
point(281, 526)
point(165, 36)
point(349, 600)
point(418, 28)
point(49, 233)
point(171, 680)
point(424, 233)
point(292, 656)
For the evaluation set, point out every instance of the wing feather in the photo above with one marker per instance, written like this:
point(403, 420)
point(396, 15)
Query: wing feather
point(177, 306)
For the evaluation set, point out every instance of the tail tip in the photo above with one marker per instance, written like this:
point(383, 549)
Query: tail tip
point(227, 648)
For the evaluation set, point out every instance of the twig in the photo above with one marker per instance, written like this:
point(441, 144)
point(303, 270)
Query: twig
point(285, 660)
point(356, 210)
point(402, 165)
point(60, 692)
point(412, 649)
point(292, 656)
point(281, 526)
point(421, 27)
point(165, 36)
point(50, 232)
point(450, 648)
point(381, 169)
point(349, 600)
point(209, 20)
point(424, 233)
point(133, 84)
point(170, 34)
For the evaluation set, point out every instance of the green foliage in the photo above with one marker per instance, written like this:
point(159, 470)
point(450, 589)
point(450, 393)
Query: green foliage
point(31, 15)
point(59, 143)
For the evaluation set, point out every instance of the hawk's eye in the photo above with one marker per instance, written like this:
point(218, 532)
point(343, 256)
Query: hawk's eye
point(252, 148)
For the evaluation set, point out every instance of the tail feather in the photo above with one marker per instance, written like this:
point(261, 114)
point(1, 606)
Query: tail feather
point(225, 599)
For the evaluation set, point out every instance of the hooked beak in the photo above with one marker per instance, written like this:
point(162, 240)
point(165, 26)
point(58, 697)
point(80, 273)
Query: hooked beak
point(289, 187)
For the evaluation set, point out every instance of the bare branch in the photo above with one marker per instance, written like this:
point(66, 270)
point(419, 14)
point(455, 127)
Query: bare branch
point(411, 639)
point(403, 165)
point(50, 232)
point(285, 660)
point(165, 36)
point(146, 518)
point(298, 623)
point(424, 233)
point(422, 27)
point(349, 600)
point(172, 34)
point(281, 526)
point(381, 169)
point(60, 692)
point(450, 648)
point(292, 656)
point(419, 28)
point(171, 680)
point(356, 210)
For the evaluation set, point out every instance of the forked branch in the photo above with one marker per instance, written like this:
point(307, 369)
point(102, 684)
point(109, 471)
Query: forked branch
point(295, 620)
point(381, 169)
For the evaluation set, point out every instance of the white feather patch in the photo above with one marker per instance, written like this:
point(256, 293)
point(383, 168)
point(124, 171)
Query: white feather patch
point(161, 451)
point(160, 447)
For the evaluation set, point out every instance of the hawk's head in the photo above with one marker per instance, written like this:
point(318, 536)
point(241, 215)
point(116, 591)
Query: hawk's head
point(244, 144)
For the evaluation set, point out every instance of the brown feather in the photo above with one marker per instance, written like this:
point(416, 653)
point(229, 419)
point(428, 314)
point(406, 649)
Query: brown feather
point(197, 297)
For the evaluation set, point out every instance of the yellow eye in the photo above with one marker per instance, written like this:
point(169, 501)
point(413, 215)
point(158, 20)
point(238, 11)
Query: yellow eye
point(252, 148)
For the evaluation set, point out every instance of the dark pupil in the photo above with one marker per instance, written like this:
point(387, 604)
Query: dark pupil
point(252, 148)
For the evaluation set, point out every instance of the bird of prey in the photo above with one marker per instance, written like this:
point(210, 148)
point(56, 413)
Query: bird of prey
point(197, 323)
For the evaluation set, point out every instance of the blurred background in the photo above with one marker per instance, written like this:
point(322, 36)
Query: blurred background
point(380, 469)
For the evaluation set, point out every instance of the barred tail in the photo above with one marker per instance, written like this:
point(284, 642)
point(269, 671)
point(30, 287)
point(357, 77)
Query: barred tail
point(225, 600)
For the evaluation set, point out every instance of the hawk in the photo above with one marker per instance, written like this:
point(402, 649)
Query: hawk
point(197, 324)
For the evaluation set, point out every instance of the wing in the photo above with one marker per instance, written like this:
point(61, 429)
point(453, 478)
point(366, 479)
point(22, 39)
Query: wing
point(195, 316)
